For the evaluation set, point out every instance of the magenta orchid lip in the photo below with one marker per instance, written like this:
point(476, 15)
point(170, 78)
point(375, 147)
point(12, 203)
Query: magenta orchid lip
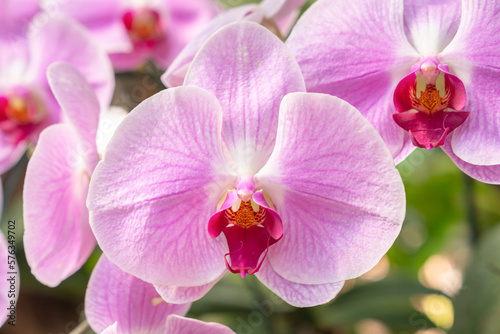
point(249, 225)
point(20, 113)
point(429, 102)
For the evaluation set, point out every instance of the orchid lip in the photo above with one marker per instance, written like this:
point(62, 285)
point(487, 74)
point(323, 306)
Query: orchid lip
point(250, 226)
point(429, 103)
point(143, 26)
point(20, 112)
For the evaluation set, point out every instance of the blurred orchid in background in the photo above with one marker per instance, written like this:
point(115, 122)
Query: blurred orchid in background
point(299, 206)
point(451, 50)
point(27, 105)
point(57, 236)
point(15, 17)
point(117, 302)
point(277, 15)
point(133, 31)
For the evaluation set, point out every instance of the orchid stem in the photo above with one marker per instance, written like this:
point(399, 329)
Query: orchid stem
point(82, 328)
point(471, 210)
point(252, 284)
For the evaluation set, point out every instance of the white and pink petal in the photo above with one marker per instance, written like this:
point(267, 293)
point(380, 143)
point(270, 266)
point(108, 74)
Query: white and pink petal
point(474, 57)
point(63, 39)
point(430, 25)
point(249, 70)
point(184, 21)
point(176, 72)
point(109, 121)
point(482, 173)
point(103, 19)
point(57, 236)
point(182, 294)
point(477, 140)
point(14, 18)
point(115, 298)
point(335, 187)
point(181, 325)
point(80, 107)
point(296, 294)
point(159, 182)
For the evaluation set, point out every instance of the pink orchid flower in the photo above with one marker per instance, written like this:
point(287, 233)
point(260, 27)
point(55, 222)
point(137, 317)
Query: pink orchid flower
point(27, 105)
point(119, 303)
point(57, 236)
point(228, 173)
point(9, 270)
point(280, 14)
point(15, 16)
point(425, 73)
point(133, 31)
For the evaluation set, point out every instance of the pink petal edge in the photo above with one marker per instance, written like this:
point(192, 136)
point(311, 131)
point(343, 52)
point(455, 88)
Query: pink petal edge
point(295, 294)
point(181, 325)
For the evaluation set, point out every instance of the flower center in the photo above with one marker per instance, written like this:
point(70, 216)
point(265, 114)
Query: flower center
point(429, 103)
point(430, 99)
point(250, 225)
point(143, 26)
point(20, 112)
point(246, 214)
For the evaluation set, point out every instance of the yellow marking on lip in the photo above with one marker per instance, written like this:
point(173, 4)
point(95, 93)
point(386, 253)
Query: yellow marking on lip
point(247, 214)
point(430, 98)
point(18, 110)
point(144, 25)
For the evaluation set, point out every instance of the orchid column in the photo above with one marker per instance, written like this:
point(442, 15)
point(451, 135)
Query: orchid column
point(241, 170)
